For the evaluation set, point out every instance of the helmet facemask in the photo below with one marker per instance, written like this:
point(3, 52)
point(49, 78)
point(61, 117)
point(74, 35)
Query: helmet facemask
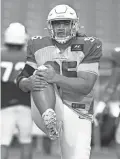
point(62, 30)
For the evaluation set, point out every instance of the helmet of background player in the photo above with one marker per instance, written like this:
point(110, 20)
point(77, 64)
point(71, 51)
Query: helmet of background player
point(15, 34)
point(62, 23)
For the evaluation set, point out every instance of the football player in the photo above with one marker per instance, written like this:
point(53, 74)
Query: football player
point(112, 87)
point(15, 104)
point(60, 72)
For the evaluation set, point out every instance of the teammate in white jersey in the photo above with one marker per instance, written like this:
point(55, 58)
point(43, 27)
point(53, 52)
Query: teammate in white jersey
point(62, 85)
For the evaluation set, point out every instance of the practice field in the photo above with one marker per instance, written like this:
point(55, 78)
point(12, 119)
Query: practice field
point(103, 154)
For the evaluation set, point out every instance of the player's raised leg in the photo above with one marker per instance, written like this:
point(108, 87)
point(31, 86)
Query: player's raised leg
point(45, 101)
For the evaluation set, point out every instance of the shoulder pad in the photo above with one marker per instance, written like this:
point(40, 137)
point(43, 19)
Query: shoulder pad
point(38, 42)
point(39, 39)
point(92, 40)
point(88, 40)
point(33, 40)
point(92, 49)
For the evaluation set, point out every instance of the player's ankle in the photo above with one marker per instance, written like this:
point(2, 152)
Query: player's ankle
point(48, 112)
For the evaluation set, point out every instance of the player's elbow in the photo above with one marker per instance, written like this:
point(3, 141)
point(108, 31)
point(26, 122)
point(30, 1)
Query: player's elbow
point(87, 82)
point(87, 89)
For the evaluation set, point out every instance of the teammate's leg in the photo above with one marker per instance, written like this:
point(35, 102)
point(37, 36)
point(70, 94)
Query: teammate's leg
point(7, 125)
point(24, 123)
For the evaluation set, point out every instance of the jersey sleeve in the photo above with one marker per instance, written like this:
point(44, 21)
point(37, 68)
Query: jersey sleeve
point(91, 61)
point(30, 60)
point(95, 52)
point(89, 67)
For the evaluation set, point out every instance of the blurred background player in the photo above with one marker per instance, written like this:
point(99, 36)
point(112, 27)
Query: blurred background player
point(111, 98)
point(15, 104)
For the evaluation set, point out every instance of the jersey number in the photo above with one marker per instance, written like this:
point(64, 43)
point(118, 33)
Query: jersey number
point(68, 68)
point(9, 67)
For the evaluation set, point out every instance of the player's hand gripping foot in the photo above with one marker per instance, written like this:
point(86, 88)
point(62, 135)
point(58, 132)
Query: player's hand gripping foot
point(49, 118)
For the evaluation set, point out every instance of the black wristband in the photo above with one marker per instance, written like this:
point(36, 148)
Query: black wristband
point(26, 72)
